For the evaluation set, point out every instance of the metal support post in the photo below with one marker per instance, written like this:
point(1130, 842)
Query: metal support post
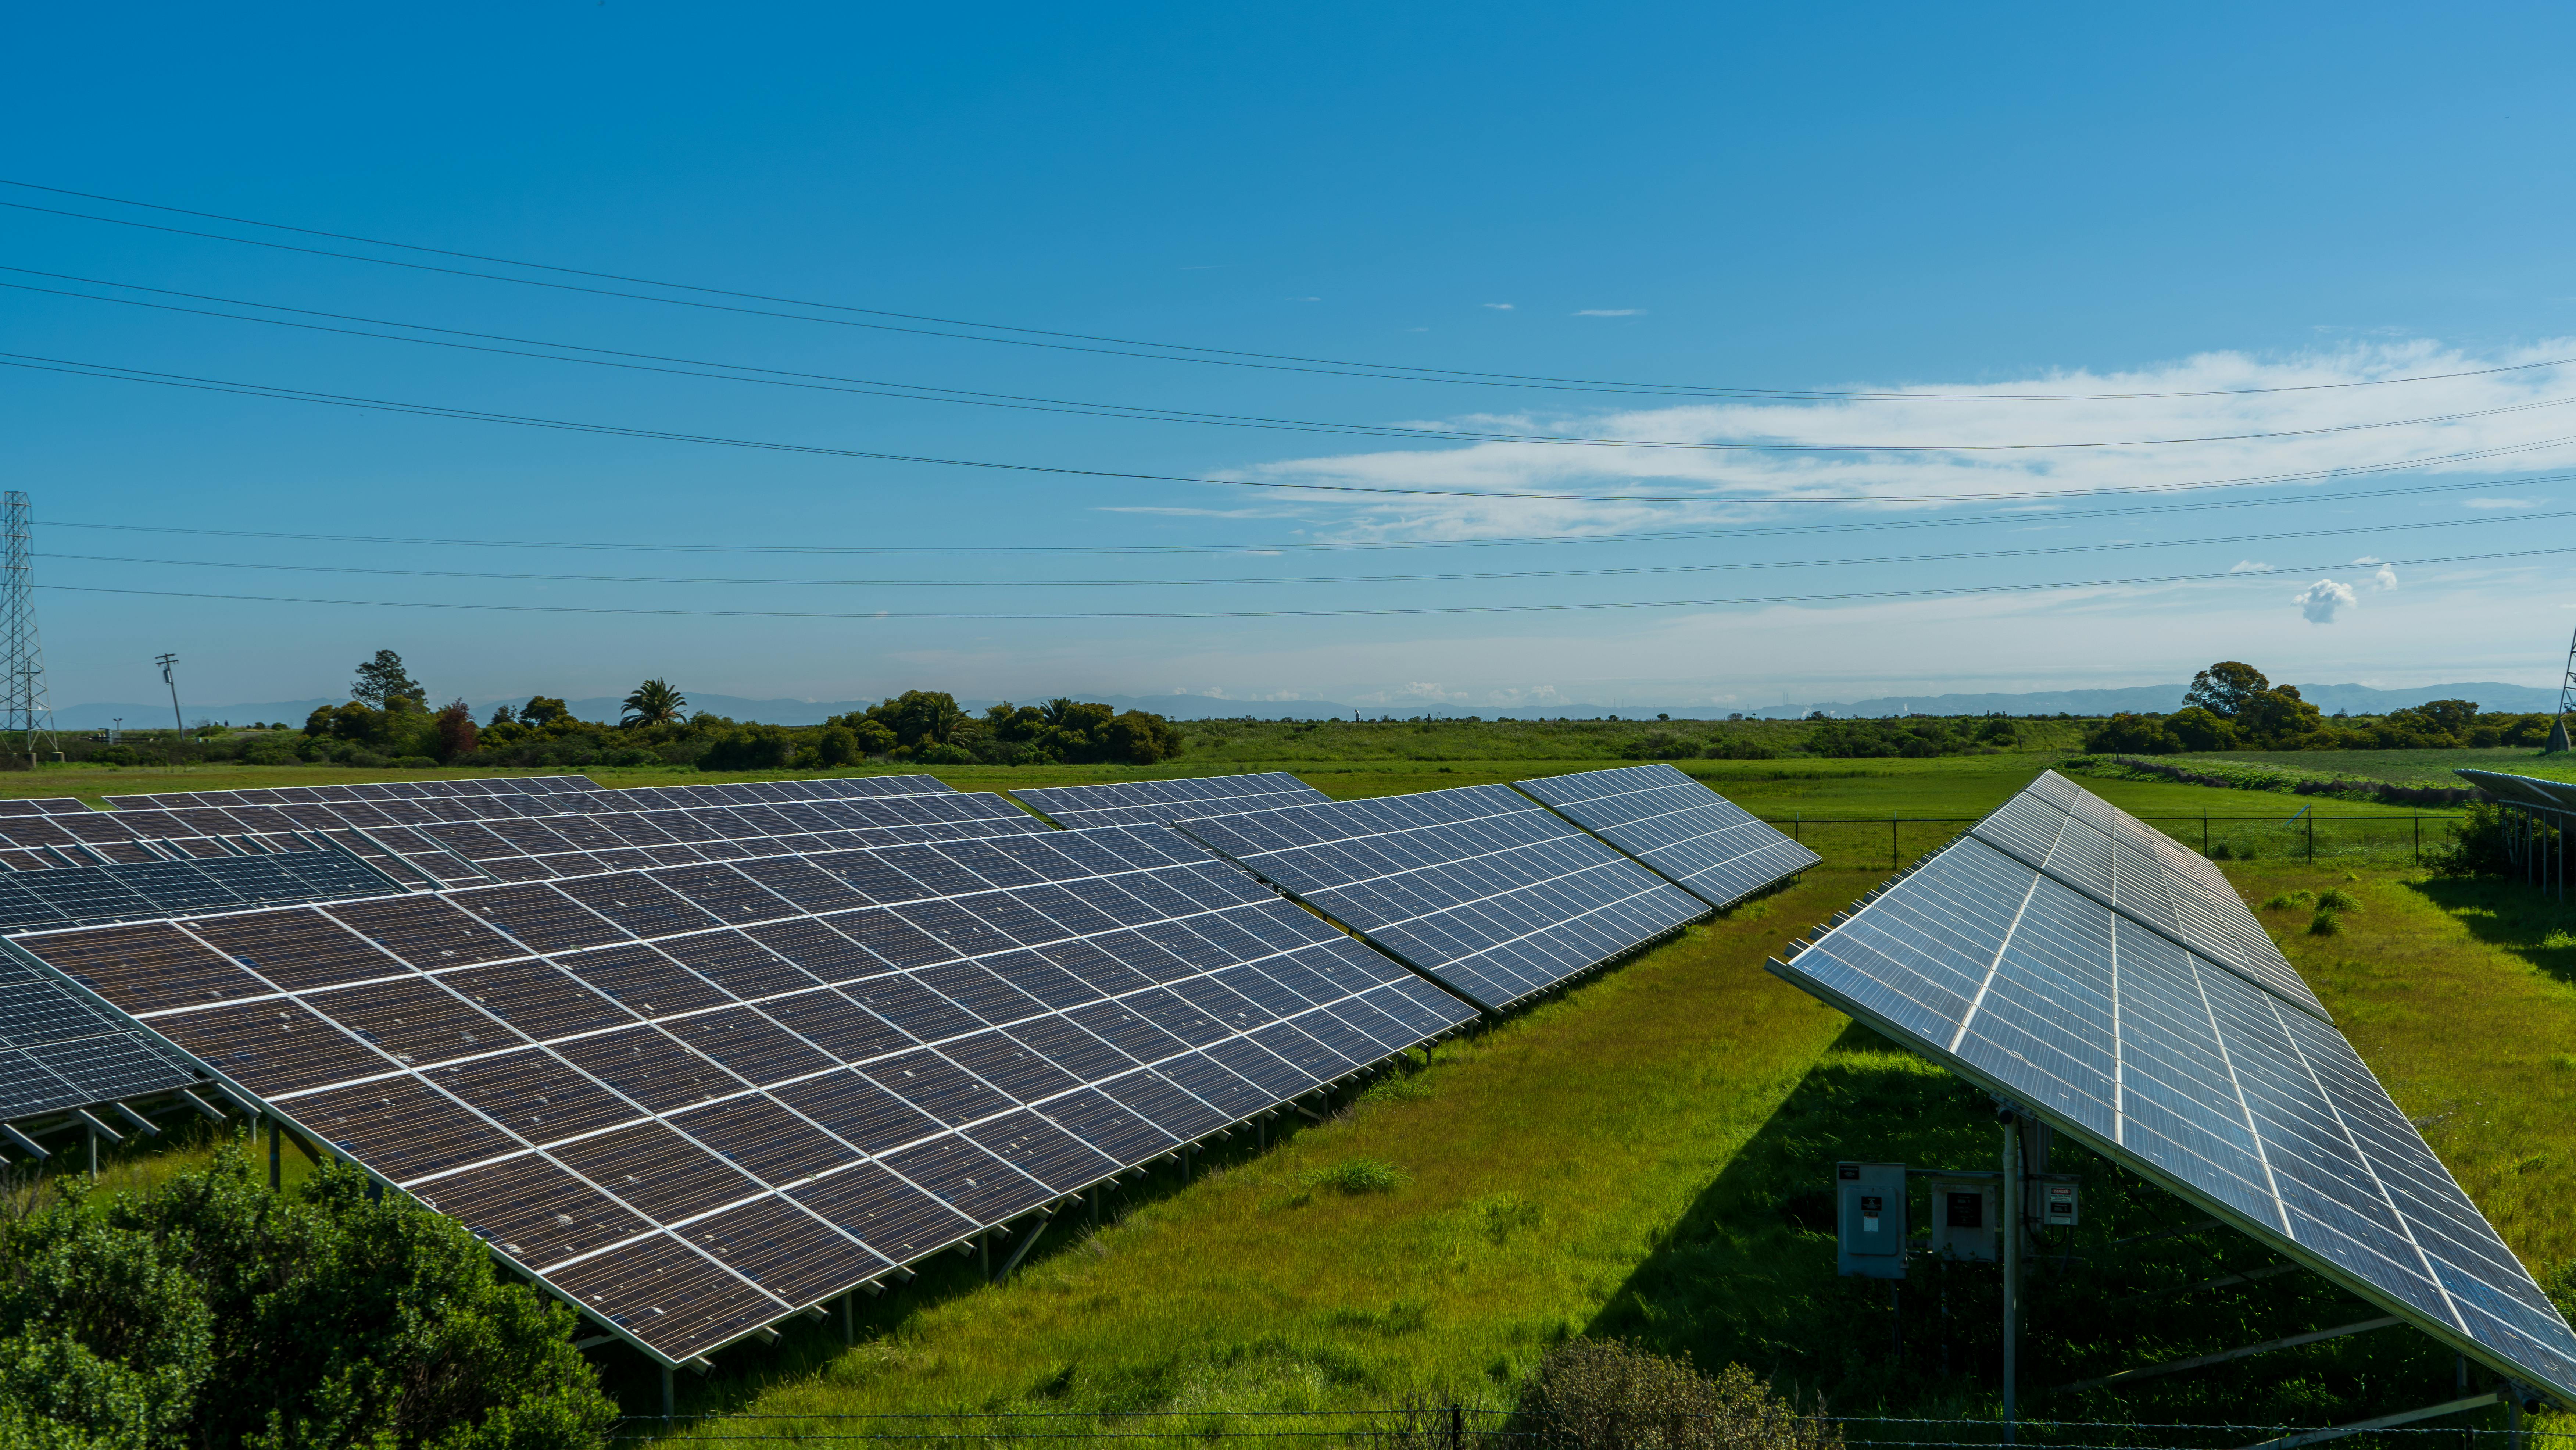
point(985, 1242)
point(670, 1397)
point(850, 1318)
point(276, 1141)
point(2012, 1271)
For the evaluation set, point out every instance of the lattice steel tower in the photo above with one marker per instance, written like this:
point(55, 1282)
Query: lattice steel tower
point(2566, 702)
point(26, 713)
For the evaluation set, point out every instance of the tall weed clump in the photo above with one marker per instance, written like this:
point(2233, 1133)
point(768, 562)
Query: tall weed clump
point(1597, 1394)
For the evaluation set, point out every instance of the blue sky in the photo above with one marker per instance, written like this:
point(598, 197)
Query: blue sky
point(1981, 205)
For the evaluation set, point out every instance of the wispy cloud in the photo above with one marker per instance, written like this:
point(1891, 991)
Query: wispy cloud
point(2319, 601)
point(1611, 312)
point(1925, 444)
point(1497, 306)
point(2249, 566)
point(2500, 503)
point(2385, 581)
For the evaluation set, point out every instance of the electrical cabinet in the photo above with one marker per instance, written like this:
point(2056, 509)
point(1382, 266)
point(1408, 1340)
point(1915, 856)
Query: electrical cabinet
point(2057, 1205)
point(1967, 1211)
point(1869, 1219)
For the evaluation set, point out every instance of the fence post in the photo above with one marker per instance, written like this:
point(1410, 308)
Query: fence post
point(1457, 1427)
point(2312, 837)
point(2419, 840)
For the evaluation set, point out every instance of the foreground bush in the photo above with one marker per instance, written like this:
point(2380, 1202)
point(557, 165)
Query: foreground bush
point(211, 1312)
point(1591, 1394)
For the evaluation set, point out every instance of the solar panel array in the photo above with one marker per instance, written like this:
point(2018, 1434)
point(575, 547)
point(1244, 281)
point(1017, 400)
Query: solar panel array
point(1162, 802)
point(457, 840)
point(2523, 790)
point(2183, 1068)
point(1706, 844)
point(697, 1099)
point(1485, 892)
point(2104, 852)
point(57, 1051)
point(431, 788)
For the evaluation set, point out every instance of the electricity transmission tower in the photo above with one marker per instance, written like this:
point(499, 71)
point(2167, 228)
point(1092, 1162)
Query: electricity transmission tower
point(2566, 702)
point(25, 712)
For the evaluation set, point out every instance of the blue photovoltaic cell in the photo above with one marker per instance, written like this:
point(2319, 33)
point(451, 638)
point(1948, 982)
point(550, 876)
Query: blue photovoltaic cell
point(1483, 891)
point(1706, 844)
point(2104, 852)
point(2185, 1069)
point(1163, 802)
point(697, 1099)
point(2523, 790)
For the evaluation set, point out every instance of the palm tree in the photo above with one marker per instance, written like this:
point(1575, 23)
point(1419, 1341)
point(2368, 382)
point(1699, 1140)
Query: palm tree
point(1056, 711)
point(654, 703)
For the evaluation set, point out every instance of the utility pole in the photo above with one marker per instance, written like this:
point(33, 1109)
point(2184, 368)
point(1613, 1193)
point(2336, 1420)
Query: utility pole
point(178, 727)
point(2566, 702)
point(24, 709)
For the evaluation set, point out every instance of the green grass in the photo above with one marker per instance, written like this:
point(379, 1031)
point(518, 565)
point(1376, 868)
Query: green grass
point(2400, 767)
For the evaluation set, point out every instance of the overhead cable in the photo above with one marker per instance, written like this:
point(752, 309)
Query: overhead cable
point(1159, 351)
point(1549, 608)
point(118, 373)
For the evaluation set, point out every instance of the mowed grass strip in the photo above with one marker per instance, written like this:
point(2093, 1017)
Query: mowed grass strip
point(1432, 1240)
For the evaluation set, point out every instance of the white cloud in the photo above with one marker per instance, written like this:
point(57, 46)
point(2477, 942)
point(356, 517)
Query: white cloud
point(2319, 601)
point(2500, 503)
point(1611, 312)
point(1923, 445)
point(1305, 299)
point(1497, 306)
point(2385, 581)
point(2249, 566)
point(2367, 559)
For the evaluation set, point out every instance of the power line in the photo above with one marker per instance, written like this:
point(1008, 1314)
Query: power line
point(915, 392)
point(1159, 351)
point(118, 373)
point(1337, 546)
point(1449, 578)
point(1553, 608)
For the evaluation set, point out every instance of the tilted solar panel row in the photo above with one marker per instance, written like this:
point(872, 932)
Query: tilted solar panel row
point(1163, 802)
point(697, 1099)
point(2523, 790)
point(59, 1052)
point(434, 788)
point(820, 788)
point(2184, 1070)
point(1696, 838)
point(2086, 843)
point(1479, 888)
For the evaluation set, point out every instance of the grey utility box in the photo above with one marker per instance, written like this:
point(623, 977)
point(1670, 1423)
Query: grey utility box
point(1966, 1211)
point(2057, 1204)
point(1869, 1220)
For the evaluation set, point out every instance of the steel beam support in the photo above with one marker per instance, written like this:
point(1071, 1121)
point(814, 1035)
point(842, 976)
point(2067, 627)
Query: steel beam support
point(2406, 1417)
point(2199, 1361)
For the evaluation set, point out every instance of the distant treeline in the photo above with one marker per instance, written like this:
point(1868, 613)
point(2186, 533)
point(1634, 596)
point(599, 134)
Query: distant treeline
point(2232, 706)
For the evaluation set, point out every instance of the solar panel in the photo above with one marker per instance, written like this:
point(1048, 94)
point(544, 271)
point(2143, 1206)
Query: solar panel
point(697, 1099)
point(2523, 790)
point(2187, 1072)
point(57, 1051)
point(2104, 852)
point(433, 788)
point(1161, 802)
point(460, 840)
point(1478, 888)
point(1703, 842)
point(815, 788)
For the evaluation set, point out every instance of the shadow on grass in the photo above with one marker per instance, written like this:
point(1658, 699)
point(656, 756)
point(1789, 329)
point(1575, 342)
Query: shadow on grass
point(805, 1347)
point(1747, 1276)
point(2536, 926)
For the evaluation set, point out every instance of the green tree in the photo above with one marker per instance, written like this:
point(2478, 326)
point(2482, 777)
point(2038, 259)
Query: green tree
point(873, 737)
point(920, 717)
point(383, 679)
point(654, 702)
point(2225, 688)
point(2278, 719)
point(2201, 729)
point(542, 710)
point(503, 715)
point(2131, 735)
point(837, 745)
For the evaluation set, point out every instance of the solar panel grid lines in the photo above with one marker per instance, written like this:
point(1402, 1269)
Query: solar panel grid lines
point(2522, 790)
point(640, 1084)
point(1163, 802)
point(2182, 1069)
point(2120, 861)
point(1478, 888)
point(394, 790)
point(1677, 827)
point(59, 1051)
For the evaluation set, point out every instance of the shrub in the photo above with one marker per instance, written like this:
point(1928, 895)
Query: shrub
point(1740, 747)
point(2475, 846)
point(2338, 900)
point(1659, 745)
point(943, 753)
point(2131, 735)
point(2324, 923)
point(1591, 1394)
point(1357, 1175)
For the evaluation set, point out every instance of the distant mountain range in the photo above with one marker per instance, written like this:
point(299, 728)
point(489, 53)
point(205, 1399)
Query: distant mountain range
point(2153, 699)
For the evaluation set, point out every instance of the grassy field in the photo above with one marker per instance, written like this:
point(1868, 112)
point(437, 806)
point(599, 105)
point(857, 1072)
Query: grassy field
point(2401, 767)
point(1649, 1158)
